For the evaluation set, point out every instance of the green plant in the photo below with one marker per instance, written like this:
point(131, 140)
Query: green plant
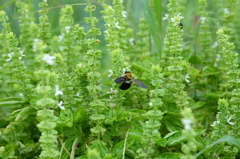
point(58, 98)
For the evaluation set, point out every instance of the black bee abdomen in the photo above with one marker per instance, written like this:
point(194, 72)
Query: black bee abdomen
point(125, 85)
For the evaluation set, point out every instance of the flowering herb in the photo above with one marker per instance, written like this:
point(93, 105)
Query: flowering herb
point(64, 68)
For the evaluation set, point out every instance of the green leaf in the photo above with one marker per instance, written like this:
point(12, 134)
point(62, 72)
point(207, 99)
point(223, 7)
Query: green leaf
point(100, 147)
point(161, 142)
point(118, 148)
point(226, 138)
point(209, 70)
point(197, 105)
point(80, 115)
point(24, 113)
point(140, 68)
point(169, 155)
point(176, 140)
point(135, 134)
point(172, 123)
point(74, 145)
point(82, 157)
point(170, 134)
point(11, 101)
point(195, 59)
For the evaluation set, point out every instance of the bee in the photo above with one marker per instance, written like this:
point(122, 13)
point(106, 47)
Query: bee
point(126, 81)
point(180, 25)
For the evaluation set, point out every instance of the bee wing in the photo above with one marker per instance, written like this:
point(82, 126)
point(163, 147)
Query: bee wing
point(139, 84)
point(119, 80)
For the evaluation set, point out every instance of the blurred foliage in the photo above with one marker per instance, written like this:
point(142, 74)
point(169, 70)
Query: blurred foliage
point(59, 60)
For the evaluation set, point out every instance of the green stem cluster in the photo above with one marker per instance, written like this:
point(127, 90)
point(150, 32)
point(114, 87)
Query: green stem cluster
point(114, 30)
point(65, 81)
point(190, 147)
point(232, 76)
point(92, 57)
point(174, 66)
point(67, 38)
point(226, 62)
point(4, 55)
point(204, 33)
point(44, 26)
point(220, 126)
point(143, 41)
point(228, 16)
point(16, 66)
point(48, 138)
point(29, 31)
point(151, 135)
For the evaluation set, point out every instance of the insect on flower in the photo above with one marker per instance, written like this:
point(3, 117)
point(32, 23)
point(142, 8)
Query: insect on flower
point(126, 81)
point(180, 25)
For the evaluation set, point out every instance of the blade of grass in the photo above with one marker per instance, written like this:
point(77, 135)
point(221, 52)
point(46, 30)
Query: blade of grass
point(153, 23)
point(226, 138)
point(158, 11)
point(7, 4)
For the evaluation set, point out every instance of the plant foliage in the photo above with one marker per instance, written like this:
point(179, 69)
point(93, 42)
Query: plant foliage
point(59, 60)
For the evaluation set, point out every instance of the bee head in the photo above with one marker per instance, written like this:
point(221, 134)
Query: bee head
point(180, 25)
point(128, 75)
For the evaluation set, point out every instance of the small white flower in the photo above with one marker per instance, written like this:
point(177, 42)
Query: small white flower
point(229, 122)
point(21, 52)
point(110, 97)
point(78, 94)
point(112, 91)
point(60, 48)
point(186, 78)
point(49, 59)
point(36, 40)
point(67, 28)
point(10, 56)
point(203, 19)
point(106, 32)
point(155, 132)
point(223, 48)
point(150, 104)
point(116, 24)
point(124, 70)
point(60, 105)
point(186, 123)
point(215, 44)
point(132, 42)
point(166, 17)
point(60, 38)
point(45, 0)
point(111, 73)
point(58, 92)
point(179, 15)
point(226, 11)
point(124, 14)
point(35, 44)
point(218, 57)
point(173, 20)
point(215, 123)
point(21, 95)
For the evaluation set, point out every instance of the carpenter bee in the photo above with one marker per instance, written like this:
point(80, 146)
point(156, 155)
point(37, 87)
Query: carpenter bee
point(126, 81)
point(180, 25)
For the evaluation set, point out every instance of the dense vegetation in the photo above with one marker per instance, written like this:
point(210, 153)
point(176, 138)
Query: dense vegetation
point(59, 60)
